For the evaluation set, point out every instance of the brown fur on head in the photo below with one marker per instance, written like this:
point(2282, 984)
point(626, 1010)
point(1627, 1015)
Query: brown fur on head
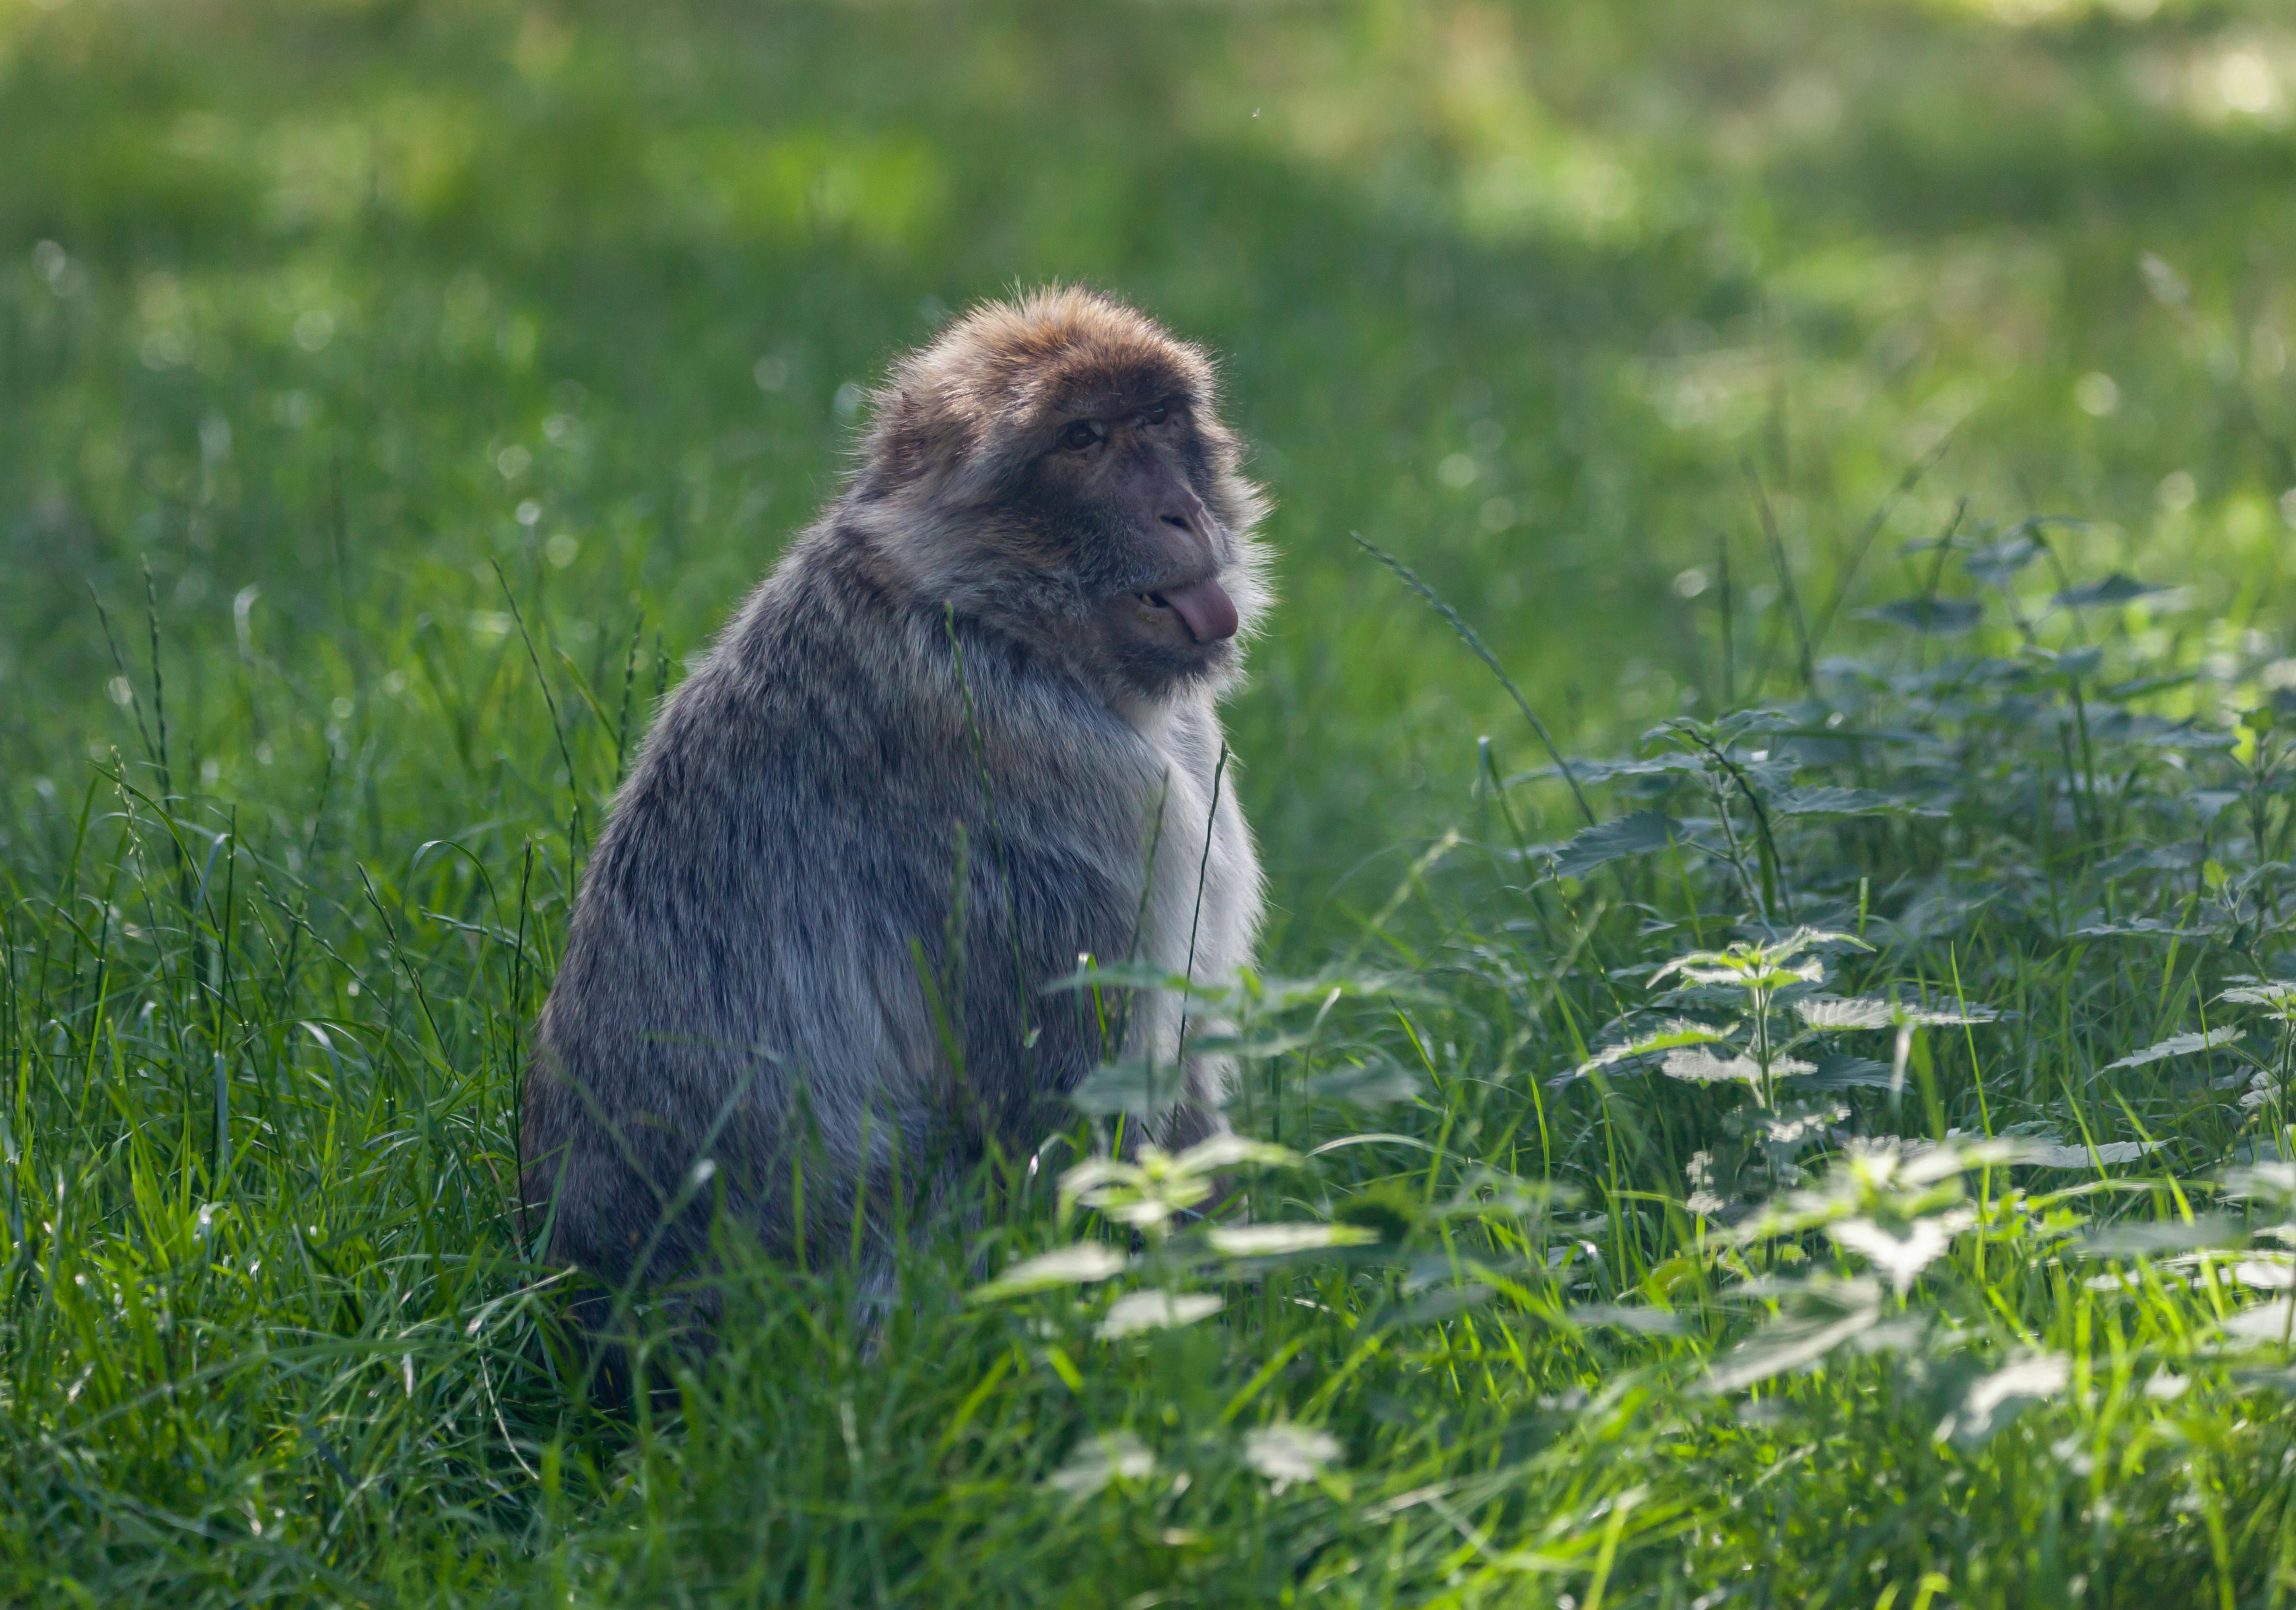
point(1055, 467)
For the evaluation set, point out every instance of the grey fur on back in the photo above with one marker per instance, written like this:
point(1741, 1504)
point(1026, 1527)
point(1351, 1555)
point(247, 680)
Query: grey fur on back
point(741, 980)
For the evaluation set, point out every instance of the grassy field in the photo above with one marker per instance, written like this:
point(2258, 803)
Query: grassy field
point(1872, 421)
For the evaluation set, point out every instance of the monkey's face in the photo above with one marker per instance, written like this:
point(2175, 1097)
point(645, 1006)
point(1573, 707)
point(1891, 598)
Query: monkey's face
point(1112, 500)
point(1056, 468)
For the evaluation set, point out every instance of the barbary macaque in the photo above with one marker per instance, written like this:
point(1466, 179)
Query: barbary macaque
point(964, 735)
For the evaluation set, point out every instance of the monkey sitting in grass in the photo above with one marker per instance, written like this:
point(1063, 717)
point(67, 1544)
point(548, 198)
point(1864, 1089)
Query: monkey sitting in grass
point(963, 737)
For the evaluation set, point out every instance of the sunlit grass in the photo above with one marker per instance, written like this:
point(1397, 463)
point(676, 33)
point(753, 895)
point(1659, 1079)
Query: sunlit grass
point(393, 398)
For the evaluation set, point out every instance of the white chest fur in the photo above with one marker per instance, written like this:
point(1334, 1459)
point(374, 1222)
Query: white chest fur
point(1203, 905)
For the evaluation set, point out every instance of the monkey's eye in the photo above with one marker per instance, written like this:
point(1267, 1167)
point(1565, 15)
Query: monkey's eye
point(1080, 434)
point(1154, 416)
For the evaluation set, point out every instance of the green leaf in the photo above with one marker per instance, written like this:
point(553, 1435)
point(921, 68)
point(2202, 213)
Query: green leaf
point(2140, 927)
point(1828, 1315)
point(1838, 1012)
point(1649, 1321)
point(1079, 1265)
point(1603, 771)
point(1387, 1208)
point(2162, 1236)
point(1677, 1033)
point(2272, 1180)
point(1371, 1085)
point(1845, 1073)
point(1136, 1087)
point(1279, 1240)
point(1259, 1045)
point(1851, 802)
point(1286, 1454)
point(1443, 1302)
point(1638, 833)
point(2268, 1322)
point(1997, 563)
point(1137, 1311)
point(1228, 1151)
point(1993, 1400)
point(1937, 617)
point(2180, 1044)
point(1099, 1461)
point(1127, 975)
point(1699, 1066)
point(2048, 1154)
point(1950, 1013)
point(2150, 857)
point(2115, 588)
point(1900, 1257)
point(1746, 723)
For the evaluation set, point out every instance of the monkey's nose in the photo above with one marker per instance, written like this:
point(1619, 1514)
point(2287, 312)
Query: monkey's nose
point(1204, 608)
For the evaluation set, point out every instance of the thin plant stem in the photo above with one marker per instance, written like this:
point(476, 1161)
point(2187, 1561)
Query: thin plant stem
point(1468, 635)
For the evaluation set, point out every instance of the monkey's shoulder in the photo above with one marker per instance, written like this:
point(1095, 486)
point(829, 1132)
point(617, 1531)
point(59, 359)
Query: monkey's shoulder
point(830, 709)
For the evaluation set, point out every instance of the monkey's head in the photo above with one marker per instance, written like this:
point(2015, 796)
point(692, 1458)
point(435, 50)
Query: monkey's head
point(1055, 468)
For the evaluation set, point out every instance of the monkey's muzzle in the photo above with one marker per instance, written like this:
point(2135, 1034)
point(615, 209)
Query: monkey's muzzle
point(1204, 607)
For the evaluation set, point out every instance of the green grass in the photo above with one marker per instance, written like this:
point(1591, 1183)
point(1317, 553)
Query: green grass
point(393, 396)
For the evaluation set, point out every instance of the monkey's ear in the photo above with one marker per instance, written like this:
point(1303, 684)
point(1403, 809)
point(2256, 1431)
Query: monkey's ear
point(900, 451)
point(916, 437)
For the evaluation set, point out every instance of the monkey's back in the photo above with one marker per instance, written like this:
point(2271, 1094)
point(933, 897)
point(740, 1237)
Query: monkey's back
point(759, 970)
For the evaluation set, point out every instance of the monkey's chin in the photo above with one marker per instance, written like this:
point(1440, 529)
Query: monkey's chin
point(1158, 667)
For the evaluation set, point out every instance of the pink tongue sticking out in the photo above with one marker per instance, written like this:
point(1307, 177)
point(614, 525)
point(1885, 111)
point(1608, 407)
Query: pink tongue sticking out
point(1208, 612)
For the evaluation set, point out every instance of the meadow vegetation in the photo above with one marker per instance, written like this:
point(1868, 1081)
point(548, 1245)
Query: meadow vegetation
point(1819, 1133)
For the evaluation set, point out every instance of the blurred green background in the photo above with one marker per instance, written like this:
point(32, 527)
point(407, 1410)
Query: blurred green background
point(324, 311)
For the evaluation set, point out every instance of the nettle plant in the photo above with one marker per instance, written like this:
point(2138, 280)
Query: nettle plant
point(1774, 991)
point(2271, 1074)
point(1160, 1202)
point(1901, 1208)
point(2041, 767)
point(2018, 777)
